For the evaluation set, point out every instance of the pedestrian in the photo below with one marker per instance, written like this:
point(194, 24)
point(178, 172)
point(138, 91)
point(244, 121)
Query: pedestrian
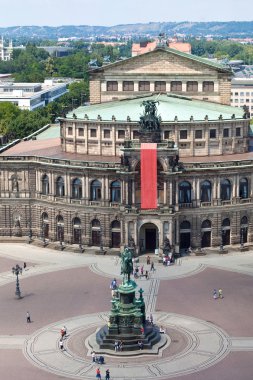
point(93, 355)
point(98, 374)
point(28, 317)
point(121, 346)
point(215, 296)
point(151, 319)
point(148, 260)
point(61, 344)
point(152, 267)
point(146, 275)
point(142, 271)
point(220, 293)
point(116, 345)
point(62, 332)
point(107, 374)
point(24, 265)
point(142, 330)
point(140, 344)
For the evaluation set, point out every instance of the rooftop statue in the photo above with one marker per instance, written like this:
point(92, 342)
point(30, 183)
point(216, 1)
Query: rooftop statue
point(126, 263)
point(150, 122)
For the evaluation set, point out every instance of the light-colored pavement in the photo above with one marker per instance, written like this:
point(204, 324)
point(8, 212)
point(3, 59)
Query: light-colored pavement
point(207, 343)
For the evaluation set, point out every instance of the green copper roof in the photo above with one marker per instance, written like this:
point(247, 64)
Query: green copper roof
point(168, 108)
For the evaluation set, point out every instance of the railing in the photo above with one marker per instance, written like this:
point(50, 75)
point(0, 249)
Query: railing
point(205, 204)
point(245, 200)
point(226, 203)
point(185, 205)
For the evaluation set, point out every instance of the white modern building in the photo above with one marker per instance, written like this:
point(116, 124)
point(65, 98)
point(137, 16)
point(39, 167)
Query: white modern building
point(242, 93)
point(30, 96)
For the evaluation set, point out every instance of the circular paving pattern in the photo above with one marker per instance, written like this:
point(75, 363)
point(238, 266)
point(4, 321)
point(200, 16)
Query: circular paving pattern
point(204, 345)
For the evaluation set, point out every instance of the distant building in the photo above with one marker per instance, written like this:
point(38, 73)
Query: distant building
point(30, 96)
point(5, 51)
point(242, 93)
point(6, 78)
point(145, 47)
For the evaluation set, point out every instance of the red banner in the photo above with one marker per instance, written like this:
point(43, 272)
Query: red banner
point(148, 175)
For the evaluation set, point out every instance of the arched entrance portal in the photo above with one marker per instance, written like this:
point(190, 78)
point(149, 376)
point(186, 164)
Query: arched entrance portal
point(149, 238)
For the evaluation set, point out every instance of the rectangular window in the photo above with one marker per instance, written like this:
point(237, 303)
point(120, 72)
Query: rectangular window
point(198, 134)
point(167, 135)
point(160, 86)
point(236, 100)
point(144, 86)
point(176, 86)
point(225, 132)
point(80, 132)
point(107, 133)
point(121, 134)
point(208, 86)
point(241, 93)
point(183, 134)
point(236, 93)
point(112, 86)
point(212, 134)
point(247, 100)
point(128, 85)
point(135, 134)
point(241, 100)
point(247, 94)
point(192, 86)
point(93, 133)
point(238, 132)
point(70, 130)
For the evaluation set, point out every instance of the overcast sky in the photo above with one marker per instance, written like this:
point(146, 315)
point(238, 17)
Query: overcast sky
point(113, 12)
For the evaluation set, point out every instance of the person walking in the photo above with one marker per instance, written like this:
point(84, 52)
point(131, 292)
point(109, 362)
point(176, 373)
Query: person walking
point(142, 271)
point(28, 317)
point(98, 374)
point(152, 267)
point(93, 355)
point(148, 260)
point(220, 293)
point(24, 265)
point(107, 374)
point(146, 275)
point(61, 344)
point(215, 295)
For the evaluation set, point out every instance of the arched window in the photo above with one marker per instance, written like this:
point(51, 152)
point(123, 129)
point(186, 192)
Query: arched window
point(59, 228)
point(77, 231)
point(45, 185)
point(244, 230)
point(184, 192)
point(95, 190)
point(96, 234)
point(115, 191)
point(225, 190)
point(185, 235)
point(77, 188)
point(243, 188)
point(206, 191)
point(206, 224)
point(116, 236)
point(225, 232)
point(95, 223)
point(60, 189)
point(226, 222)
point(206, 230)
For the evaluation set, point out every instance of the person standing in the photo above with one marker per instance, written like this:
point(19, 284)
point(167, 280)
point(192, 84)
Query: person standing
point(152, 267)
point(28, 317)
point(98, 374)
point(215, 296)
point(24, 265)
point(148, 260)
point(146, 275)
point(93, 355)
point(107, 374)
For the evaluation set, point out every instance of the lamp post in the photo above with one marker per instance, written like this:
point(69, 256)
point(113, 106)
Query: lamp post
point(61, 238)
point(43, 234)
point(29, 231)
point(221, 237)
point(242, 237)
point(80, 241)
point(17, 270)
point(101, 248)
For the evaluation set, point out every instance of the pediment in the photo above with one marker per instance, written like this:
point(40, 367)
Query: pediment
point(163, 62)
